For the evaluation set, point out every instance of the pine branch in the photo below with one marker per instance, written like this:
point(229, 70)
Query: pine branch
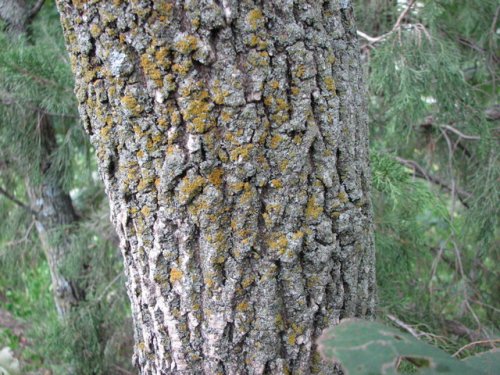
point(420, 172)
point(6, 99)
point(24, 206)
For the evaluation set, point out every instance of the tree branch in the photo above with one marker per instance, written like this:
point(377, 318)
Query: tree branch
point(482, 342)
point(420, 172)
point(396, 26)
point(9, 196)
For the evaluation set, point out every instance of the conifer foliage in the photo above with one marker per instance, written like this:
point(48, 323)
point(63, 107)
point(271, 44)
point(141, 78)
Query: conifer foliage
point(433, 72)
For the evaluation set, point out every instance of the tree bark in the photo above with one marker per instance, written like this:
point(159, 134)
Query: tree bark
point(54, 210)
point(54, 221)
point(232, 140)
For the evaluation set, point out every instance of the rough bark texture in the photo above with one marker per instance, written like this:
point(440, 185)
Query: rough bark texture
point(53, 206)
point(232, 140)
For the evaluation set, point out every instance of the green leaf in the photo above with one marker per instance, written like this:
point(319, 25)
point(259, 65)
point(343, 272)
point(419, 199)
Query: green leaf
point(364, 347)
point(487, 362)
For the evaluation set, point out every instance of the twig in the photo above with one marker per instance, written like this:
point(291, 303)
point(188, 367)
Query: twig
point(420, 172)
point(25, 237)
point(492, 341)
point(403, 325)
point(460, 134)
point(98, 299)
point(122, 370)
point(450, 167)
point(396, 26)
point(9, 196)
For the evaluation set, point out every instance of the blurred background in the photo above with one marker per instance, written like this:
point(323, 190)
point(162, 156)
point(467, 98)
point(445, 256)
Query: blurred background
point(433, 90)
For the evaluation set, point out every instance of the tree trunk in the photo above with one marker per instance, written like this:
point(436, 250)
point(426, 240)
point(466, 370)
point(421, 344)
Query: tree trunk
point(53, 206)
point(54, 221)
point(232, 140)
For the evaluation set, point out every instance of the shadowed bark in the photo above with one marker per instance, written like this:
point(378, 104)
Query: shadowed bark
point(232, 140)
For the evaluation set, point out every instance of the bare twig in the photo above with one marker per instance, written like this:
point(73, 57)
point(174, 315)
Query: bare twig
point(453, 190)
point(396, 26)
point(420, 172)
point(122, 370)
point(491, 342)
point(25, 237)
point(403, 325)
point(98, 299)
point(460, 134)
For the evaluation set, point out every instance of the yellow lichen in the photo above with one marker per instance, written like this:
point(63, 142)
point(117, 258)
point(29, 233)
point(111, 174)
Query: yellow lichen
point(276, 183)
point(161, 57)
point(295, 90)
point(189, 187)
point(313, 210)
point(146, 211)
point(90, 75)
point(278, 243)
point(242, 152)
point(144, 183)
point(300, 71)
point(343, 197)
point(255, 18)
point(216, 177)
point(95, 30)
point(175, 275)
point(274, 84)
point(105, 132)
point(281, 104)
point(151, 70)
point(242, 306)
point(131, 104)
point(226, 116)
point(275, 141)
point(187, 44)
point(180, 69)
point(162, 122)
point(283, 165)
point(237, 186)
point(330, 84)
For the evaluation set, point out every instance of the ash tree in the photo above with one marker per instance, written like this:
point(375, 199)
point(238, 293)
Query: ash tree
point(232, 141)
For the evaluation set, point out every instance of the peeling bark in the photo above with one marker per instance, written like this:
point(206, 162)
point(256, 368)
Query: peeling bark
point(232, 140)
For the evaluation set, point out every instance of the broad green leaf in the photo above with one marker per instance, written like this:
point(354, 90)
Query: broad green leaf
point(487, 362)
point(364, 347)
